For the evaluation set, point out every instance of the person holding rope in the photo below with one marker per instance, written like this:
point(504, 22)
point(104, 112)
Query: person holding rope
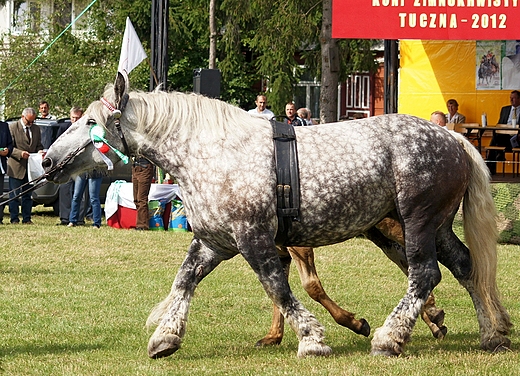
point(66, 191)
point(26, 140)
point(6, 148)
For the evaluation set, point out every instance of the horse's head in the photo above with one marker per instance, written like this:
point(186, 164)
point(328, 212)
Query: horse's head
point(94, 141)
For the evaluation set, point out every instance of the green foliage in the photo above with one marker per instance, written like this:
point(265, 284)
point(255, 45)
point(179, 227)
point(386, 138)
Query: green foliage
point(258, 41)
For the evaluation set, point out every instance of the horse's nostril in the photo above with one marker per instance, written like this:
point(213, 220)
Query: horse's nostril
point(47, 163)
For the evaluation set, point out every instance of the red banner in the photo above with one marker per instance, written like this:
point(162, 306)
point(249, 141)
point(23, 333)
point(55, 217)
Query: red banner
point(426, 19)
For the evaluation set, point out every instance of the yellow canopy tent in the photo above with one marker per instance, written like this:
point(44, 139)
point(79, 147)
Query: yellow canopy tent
point(433, 71)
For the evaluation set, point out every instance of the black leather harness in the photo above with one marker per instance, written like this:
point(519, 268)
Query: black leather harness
point(287, 179)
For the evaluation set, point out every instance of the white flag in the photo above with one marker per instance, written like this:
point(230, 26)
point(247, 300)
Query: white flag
point(132, 51)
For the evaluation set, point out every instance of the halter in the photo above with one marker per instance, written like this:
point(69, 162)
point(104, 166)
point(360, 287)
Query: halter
point(41, 180)
point(116, 114)
point(97, 137)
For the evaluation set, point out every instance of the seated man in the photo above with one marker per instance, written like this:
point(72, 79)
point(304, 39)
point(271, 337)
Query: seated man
point(500, 139)
point(439, 118)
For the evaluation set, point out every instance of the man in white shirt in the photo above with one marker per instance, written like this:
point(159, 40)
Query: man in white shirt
point(261, 110)
point(44, 111)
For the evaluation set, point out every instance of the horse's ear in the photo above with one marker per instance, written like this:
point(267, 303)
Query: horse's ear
point(120, 90)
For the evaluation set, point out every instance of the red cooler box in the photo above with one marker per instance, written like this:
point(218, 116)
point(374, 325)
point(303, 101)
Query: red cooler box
point(120, 210)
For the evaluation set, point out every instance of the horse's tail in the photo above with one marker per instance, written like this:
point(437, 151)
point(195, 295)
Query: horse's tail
point(481, 235)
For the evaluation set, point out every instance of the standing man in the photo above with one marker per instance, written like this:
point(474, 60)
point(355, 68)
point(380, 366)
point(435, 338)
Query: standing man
point(67, 190)
point(142, 175)
point(290, 116)
point(261, 108)
point(26, 140)
point(6, 148)
point(453, 116)
point(44, 111)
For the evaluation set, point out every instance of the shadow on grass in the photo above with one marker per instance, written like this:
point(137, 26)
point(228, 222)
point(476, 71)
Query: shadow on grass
point(420, 345)
point(36, 350)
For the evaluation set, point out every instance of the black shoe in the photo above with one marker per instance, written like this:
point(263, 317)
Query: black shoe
point(62, 223)
point(29, 222)
point(15, 222)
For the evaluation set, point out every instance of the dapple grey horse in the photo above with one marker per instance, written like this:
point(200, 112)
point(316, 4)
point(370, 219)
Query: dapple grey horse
point(352, 175)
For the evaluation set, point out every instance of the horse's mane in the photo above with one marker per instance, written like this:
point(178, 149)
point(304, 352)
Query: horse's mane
point(157, 113)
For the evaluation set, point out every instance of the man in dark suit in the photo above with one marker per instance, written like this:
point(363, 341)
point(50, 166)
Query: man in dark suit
point(26, 140)
point(6, 148)
point(507, 113)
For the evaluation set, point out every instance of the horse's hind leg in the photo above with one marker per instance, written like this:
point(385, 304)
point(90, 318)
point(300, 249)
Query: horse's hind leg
point(171, 315)
point(303, 257)
point(259, 251)
point(275, 335)
point(388, 236)
point(423, 275)
point(494, 326)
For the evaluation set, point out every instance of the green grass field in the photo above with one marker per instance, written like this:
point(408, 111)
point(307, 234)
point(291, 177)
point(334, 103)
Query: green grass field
point(74, 301)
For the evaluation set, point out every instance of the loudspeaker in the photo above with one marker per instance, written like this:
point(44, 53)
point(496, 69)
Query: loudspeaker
point(207, 82)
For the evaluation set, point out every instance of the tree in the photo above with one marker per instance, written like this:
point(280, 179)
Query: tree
point(70, 73)
point(257, 42)
point(329, 68)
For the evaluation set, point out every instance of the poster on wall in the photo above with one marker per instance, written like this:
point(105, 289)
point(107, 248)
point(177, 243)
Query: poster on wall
point(488, 64)
point(498, 65)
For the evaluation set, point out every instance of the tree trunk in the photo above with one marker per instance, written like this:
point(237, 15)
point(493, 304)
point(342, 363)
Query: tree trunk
point(212, 35)
point(329, 68)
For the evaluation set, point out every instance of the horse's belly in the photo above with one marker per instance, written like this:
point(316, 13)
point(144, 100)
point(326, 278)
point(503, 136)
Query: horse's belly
point(333, 222)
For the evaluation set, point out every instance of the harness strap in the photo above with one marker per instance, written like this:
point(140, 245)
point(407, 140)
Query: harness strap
point(287, 179)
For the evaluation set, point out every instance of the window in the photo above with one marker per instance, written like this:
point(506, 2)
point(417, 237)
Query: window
point(358, 95)
point(307, 94)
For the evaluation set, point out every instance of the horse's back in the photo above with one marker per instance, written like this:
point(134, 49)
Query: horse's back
point(354, 173)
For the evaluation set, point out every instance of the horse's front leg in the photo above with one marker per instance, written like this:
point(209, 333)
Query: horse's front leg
point(259, 251)
point(171, 315)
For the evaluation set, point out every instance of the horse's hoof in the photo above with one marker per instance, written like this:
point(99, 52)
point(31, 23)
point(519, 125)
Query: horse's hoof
point(384, 343)
point(268, 341)
point(497, 345)
point(437, 318)
point(439, 332)
point(381, 352)
point(365, 328)
point(309, 347)
point(162, 346)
